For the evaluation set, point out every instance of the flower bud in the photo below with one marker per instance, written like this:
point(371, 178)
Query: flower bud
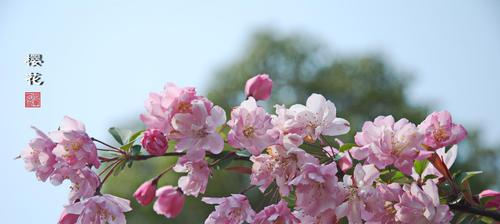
point(259, 87)
point(145, 193)
point(170, 201)
point(68, 218)
point(155, 142)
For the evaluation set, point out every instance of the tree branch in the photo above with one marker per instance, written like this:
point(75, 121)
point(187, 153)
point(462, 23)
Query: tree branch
point(476, 211)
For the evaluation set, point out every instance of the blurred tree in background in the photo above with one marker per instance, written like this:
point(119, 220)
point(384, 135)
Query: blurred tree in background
point(361, 87)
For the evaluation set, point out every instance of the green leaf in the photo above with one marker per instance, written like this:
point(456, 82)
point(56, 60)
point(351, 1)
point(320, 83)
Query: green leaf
point(430, 176)
point(401, 178)
point(120, 135)
point(221, 164)
point(346, 146)
point(134, 136)
point(243, 153)
point(131, 140)
point(290, 199)
point(119, 168)
point(136, 150)
point(420, 166)
point(461, 177)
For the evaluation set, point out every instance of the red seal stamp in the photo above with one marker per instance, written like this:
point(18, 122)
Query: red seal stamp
point(32, 99)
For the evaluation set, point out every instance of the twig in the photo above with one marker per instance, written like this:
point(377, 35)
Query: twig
point(108, 145)
point(476, 211)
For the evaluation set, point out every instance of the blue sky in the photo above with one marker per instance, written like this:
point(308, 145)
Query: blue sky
point(103, 58)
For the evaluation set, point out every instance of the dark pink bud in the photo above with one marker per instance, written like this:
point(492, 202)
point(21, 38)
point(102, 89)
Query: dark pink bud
point(259, 87)
point(155, 142)
point(145, 193)
point(170, 201)
point(68, 218)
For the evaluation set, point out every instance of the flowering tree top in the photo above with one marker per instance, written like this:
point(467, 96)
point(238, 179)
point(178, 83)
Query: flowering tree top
point(394, 171)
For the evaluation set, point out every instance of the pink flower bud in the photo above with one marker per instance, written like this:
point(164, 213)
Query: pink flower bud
point(170, 201)
point(145, 193)
point(155, 142)
point(259, 87)
point(68, 218)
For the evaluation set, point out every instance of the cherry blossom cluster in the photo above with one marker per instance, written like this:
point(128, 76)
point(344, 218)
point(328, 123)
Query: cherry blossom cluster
point(391, 173)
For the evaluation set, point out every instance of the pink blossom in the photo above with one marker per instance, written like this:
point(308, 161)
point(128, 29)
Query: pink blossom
point(326, 217)
point(146, 192)
point(440, 131)
point(362, 200)
point(84, 184)
point(389, 196)
point(67, 218)
point(276, 213)
point(197, 178)
point(161, 107)
point(494, 202)
point(317, 189)
point(291, 132)
point(234, 209)
point(198, 130)
point(262, 171)
point(289, 165)
point(345, 161)
point(319, 117)
point(281, 164)
point(38, 156)
point(422, 204)
point(170, 201)
point(155, 142)
point(100, 209)
point(259, 87)
point(74, 147)
point(448, 159)
point(385, 142)
point(251, 127)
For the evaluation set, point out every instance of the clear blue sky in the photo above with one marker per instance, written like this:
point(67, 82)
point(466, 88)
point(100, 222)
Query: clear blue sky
point(102, 59)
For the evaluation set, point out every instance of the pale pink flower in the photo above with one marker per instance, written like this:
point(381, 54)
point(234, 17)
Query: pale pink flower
point(389, 195)
point(291, 132)
point(422, 205)
point(494, 202)
point(259, 87)
point(234, 209)
point(161, 107)
point(289, 165)
point(155, 142)
point(448, 159)
point(84, 184)
point(362, 200)
point(100, 209)
point(146, 192)
point(319, 117)
point(440, 131)
point(281, 164)
point(384, 142)
point(198, 130)
point(326, 217)
point(197, 178)
point(170, 201)
point(276, 213)
point(317, 189)
point(251, 127)
point(262, 171)
point(74, 146)
point(345, 162)
point(38, 156)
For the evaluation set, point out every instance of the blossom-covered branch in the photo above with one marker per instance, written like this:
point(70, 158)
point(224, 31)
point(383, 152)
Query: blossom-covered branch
point(394, 171)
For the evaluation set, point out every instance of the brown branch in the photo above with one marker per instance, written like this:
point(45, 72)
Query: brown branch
point(476, 211)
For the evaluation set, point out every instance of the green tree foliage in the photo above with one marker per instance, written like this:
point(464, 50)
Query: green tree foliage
point(362, 88)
